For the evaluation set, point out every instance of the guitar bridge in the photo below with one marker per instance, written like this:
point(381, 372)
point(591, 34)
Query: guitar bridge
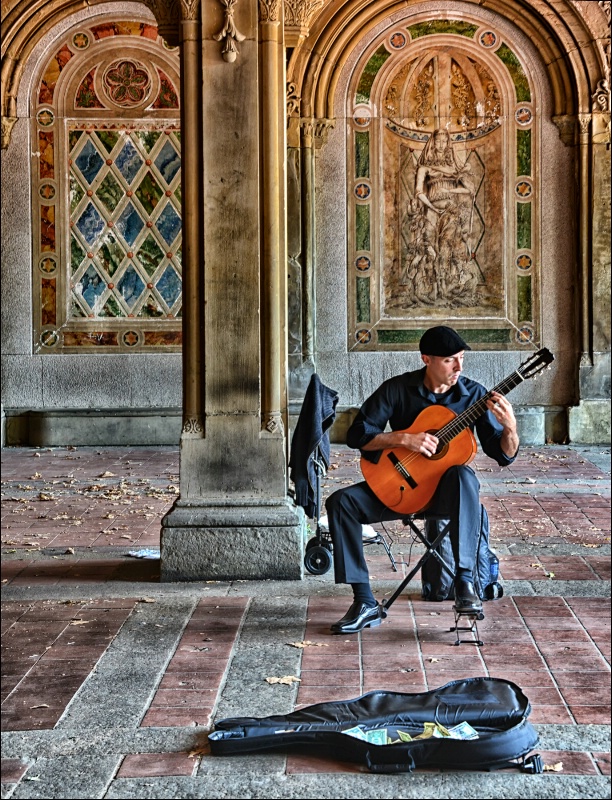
point(402, 470)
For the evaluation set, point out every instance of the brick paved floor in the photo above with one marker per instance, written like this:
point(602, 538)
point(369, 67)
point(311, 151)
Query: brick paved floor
point(73, 598)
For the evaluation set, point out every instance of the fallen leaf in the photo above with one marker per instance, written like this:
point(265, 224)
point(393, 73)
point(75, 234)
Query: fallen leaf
point(287, 680)
point(107, 475)
point(69, 551)
point(147, 600)
point(35, 475)
point(307, 643)
point(80, 622)
point(41, 705)
point(557, 767)
point(433, 660)
point(200, 751)
point(44, 496)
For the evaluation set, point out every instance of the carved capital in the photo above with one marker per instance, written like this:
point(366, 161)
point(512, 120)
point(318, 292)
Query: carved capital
point(190, 9)
point(269, 10)
point(229, 33)
point(7, 129)
point(584, 121)
point(566, 126)
point(192, 426)
point(168, 16)
point(605, 7)
point(298, 17)
point(315, 131)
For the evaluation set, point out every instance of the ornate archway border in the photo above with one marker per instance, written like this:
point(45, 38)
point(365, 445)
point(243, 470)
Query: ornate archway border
point(574, 48)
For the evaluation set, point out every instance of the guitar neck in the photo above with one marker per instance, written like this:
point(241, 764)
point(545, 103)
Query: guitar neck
point(471, 414)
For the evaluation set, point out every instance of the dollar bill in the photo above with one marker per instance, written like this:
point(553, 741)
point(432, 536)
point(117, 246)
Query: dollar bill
point(378, 736)
point(463, 731)
point(356, 732)
point(433, 729)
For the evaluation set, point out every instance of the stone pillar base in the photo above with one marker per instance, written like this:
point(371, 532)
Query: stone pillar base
point(589, 422)
point(239, 542)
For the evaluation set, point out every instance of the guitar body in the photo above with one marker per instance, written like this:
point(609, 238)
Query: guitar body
point(405, 481)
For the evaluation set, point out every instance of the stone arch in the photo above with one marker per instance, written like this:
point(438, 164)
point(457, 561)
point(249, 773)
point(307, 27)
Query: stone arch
point(570, 37)
point(419, 258)
point(570, 49)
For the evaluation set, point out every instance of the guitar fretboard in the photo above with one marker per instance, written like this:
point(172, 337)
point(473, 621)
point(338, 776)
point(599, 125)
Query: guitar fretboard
point(471, 414)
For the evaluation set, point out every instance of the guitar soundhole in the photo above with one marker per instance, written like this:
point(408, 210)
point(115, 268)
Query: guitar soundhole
point(441, 451)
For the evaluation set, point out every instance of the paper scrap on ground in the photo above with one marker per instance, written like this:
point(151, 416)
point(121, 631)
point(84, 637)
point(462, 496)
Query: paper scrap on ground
point(146, 553)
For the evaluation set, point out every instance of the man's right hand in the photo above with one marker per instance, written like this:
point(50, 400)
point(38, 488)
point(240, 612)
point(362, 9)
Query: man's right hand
point(424, 443)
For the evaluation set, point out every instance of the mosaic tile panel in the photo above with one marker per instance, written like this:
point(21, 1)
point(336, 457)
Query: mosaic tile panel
point(419, 251)
point(109, 211)
point(129, 224)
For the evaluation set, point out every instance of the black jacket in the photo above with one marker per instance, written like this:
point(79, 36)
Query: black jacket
point(311, 440)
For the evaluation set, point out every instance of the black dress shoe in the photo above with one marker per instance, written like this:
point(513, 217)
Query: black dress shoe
point(358, 617)
point(466, 599)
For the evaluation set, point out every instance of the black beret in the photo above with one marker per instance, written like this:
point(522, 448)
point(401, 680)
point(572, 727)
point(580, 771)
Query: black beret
point(441, 341)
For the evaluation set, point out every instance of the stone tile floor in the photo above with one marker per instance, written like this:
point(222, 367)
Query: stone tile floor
point(112, 676)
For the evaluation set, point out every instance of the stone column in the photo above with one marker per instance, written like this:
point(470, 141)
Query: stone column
point(234, 519)
point(589, 422)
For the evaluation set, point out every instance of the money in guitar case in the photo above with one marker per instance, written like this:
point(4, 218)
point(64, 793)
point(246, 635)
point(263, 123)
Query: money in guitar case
point(469, 724)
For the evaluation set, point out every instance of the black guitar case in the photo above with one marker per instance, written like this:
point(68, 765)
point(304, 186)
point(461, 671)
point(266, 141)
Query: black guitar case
point(496, 709)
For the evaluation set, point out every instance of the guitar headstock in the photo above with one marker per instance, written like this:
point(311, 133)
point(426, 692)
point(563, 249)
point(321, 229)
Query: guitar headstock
point(536, 363)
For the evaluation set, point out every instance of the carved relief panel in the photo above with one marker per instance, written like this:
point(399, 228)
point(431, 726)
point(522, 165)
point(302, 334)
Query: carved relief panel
point(442, 189)
point(106, 179)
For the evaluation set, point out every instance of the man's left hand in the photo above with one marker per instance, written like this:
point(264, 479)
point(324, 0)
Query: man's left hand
point(502, 410)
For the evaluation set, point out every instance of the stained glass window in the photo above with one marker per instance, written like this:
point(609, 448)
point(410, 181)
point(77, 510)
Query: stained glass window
point(108, 219)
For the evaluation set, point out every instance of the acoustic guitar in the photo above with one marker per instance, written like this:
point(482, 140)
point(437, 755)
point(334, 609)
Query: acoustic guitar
point(407, 481)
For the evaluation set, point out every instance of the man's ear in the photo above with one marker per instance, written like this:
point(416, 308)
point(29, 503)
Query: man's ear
point(425, 359)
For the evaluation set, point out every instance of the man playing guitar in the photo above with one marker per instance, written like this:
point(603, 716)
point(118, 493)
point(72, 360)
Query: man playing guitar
point(455, 490)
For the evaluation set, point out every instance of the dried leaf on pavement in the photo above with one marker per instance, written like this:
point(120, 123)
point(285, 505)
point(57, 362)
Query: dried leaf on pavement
point(307, 643)
point(287, 680)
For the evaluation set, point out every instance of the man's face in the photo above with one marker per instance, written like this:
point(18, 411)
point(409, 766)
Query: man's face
point(444, 370)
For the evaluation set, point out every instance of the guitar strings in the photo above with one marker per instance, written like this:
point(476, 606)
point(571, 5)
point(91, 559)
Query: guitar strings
point(470, 415)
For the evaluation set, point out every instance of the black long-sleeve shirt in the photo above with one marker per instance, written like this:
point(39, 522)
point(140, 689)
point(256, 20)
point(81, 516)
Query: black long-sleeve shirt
point(398, 402)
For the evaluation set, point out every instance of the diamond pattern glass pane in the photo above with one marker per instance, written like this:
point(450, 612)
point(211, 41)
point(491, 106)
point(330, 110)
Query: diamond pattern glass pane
point(90, 223)
point(150, 255)
point(169, 285)
point(110, 192)
point(129, 161)
point(149, 192)
point(130, 286)
point(76, 193)
point(89, 161)
point(148, 139)
point(77, 254)
point(129, 224)
point(110, 255)
point(112, 309)
point(151, 308)
point(130, 239)
point(73, 139)
point(168, 162)
point(109, 139)
point(169, 223)
point(91, 286)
